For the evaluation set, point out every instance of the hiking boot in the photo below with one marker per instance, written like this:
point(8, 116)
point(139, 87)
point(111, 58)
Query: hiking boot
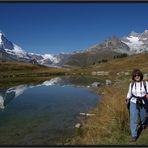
point(145, 126)
point(133, 139)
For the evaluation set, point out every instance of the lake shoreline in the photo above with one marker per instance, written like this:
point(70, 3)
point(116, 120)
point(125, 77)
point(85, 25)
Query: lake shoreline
point(78, 98)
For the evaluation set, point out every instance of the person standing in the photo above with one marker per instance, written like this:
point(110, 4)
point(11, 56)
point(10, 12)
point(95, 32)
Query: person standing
point(136, 98)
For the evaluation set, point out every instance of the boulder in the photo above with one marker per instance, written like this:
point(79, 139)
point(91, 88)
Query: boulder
point(94, 73)
point(78, 125)
point(108, 82)
point(126, 73)
point(96, 84)
point(87, 114)
point(102, 73)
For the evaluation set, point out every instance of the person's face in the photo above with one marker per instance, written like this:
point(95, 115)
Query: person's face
point(137, 77)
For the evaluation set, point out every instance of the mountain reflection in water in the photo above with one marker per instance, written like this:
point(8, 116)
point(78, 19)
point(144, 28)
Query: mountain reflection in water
point(6, 95)
point(49, 110)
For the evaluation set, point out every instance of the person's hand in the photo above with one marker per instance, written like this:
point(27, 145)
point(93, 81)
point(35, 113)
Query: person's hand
point(127, 101)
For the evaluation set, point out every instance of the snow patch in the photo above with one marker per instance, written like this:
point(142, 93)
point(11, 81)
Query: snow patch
point(18, 90)
point(1, 38)
point(52, 58)
point(134, 43)
point(18, 51)
point(2, 103)
point(34, 54)
point(144, 39)
point(51, 82)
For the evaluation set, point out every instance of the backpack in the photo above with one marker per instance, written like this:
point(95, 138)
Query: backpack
point(144, 83)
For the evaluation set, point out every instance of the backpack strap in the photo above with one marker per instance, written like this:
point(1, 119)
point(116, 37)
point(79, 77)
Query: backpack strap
point(132, 83)
point(144, 83)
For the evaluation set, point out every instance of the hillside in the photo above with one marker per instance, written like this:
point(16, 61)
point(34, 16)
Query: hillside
point(116, 68)
point(16, 69)
point(110, 125)
point(16, 73)
point(105, 51)
point(124, 64)
point(119, 65)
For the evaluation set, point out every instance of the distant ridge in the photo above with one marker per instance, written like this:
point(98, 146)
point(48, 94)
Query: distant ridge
point(111, 48)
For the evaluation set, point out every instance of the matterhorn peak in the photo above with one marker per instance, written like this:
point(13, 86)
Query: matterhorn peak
point(1, 37)
point(11, 48)
point(4, 42)
point(1, 33)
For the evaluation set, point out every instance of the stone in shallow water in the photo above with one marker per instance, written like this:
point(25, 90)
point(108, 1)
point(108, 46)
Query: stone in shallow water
point(78, 125)
point(96, 84)
point(86, 114)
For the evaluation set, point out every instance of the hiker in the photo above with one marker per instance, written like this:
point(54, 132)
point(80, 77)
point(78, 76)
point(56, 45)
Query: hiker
point(136, 98)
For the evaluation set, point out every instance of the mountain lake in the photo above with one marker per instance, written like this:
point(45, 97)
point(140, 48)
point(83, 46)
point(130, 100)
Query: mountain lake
point(45, 113)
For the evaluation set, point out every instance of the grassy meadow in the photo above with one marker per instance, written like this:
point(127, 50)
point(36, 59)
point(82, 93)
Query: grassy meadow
point(14, 73)
point(15, 69)
point(110, 125)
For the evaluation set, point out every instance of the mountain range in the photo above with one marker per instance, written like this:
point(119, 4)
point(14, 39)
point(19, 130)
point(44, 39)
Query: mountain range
point(111, 48)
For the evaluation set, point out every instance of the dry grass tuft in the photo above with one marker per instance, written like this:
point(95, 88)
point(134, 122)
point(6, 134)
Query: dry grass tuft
point(110, 125)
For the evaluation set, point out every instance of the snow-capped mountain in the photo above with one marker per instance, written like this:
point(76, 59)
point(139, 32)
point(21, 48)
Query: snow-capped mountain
point(111, 48)
point(11, 48)
point(134, 43)
point(45, 58)
point(137, 42)
point(11, 51)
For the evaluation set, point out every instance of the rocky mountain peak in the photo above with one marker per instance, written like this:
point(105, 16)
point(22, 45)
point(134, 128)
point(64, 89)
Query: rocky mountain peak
point(115, 43)
point(133, 33)
point(4, 42)
point(137, 42)
point(146, 31)
point(1, 34)
point(144, 34)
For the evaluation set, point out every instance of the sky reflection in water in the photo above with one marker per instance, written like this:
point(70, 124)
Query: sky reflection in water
point(48, 110)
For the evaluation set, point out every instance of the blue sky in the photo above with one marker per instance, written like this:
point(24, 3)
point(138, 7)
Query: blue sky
point(66, 27)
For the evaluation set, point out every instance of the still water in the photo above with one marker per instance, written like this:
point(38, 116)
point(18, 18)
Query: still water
point(45, 113)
